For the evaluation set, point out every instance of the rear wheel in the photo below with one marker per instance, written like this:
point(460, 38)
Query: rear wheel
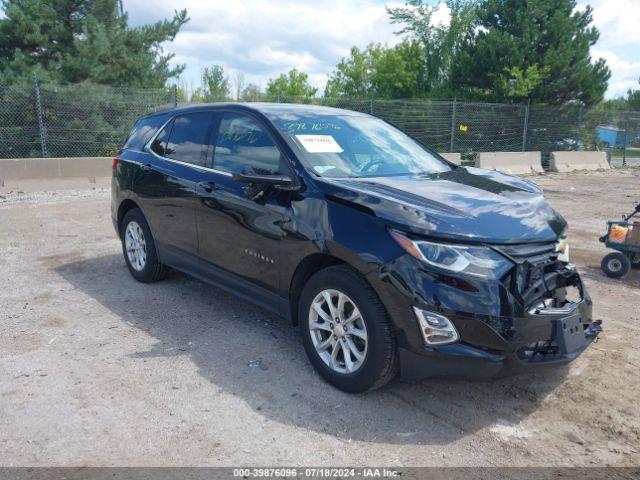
point(346, 331)
point(139, 248)
point(635, 260)
point(616, 265)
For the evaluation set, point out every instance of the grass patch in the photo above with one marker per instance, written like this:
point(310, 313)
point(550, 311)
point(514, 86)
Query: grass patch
point(630, 154)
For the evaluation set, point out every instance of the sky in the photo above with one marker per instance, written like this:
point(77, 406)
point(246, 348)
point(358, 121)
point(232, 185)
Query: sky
point(263, 38)
point(619, 43)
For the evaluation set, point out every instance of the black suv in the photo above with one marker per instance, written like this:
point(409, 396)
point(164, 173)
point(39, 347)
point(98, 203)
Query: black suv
point(386, 256)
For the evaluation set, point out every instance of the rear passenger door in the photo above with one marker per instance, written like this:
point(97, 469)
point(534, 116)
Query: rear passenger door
point(175, 162)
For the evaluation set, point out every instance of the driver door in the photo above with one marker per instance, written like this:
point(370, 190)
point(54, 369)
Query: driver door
point(235, 232)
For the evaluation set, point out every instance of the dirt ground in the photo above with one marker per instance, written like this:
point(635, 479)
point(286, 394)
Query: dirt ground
point(96, 369)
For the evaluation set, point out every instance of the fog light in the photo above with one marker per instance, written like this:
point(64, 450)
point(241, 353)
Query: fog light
point(436, 329)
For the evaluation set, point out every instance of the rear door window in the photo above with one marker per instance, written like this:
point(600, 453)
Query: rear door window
point(189, 138)
point(143, 130)
point(242, 144)
point(159, 144)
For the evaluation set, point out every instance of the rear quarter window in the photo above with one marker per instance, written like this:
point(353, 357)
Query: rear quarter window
point(143, 130)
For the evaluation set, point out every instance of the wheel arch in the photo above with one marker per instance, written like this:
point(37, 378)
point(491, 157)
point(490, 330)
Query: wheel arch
point(306, 268)
point(125, 206)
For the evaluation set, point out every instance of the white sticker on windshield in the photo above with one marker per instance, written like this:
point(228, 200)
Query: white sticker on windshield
point(319, 143)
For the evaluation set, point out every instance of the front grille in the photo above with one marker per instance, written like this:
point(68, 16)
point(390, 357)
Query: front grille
point(532, 252)
point(536, 265)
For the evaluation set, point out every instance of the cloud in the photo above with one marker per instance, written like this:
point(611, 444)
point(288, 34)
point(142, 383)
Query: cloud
point(265, 38)
point(624, 73)
point(618, 21)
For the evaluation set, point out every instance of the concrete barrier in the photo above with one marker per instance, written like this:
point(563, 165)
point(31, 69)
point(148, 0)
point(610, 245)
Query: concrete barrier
point(580, 160)
point(452, 157)
point(518, 163)
point(68, 167)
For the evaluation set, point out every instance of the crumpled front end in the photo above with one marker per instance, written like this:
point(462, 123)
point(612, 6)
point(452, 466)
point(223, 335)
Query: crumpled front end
point(538, 314)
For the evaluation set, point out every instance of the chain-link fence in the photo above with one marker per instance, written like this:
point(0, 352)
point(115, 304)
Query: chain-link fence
point(91, 120)
point(71, 121)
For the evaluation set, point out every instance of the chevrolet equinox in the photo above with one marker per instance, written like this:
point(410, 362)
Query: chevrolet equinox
point(389, 258)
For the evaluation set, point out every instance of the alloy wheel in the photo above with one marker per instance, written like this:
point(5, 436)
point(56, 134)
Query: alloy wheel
point(338, 331)
point(135, 246)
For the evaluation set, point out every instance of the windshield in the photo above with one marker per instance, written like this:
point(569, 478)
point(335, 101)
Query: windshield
point(355, 146)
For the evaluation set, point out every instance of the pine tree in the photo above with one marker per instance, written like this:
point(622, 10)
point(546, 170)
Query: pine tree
point(69, 41)
point(537, 47)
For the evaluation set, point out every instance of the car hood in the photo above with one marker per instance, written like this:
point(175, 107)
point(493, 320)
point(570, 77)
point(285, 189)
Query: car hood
point(467, 204)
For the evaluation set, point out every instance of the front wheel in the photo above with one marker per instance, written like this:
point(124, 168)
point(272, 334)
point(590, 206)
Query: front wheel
point(346, 331)
point(635, 261)
point(615, 265)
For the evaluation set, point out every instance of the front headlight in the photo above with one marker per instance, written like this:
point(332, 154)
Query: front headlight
point(562, 247)
point(466, 259)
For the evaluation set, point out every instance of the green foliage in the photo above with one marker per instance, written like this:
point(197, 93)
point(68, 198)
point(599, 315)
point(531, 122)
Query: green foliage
point(251, 93)
point(540, 38)
point(290, 85)
point(518, 84)
point(18, 122)
point(352, 76)
point(181, 93)
point(70, 41)
point(441, 44)
point(379, 71)
point(215, 84)
point(79, 120)
point(633, 100)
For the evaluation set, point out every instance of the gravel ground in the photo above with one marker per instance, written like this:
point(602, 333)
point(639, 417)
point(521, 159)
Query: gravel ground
point(96, 369)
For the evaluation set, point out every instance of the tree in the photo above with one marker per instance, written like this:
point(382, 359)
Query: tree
point(215, 84)
point(518, 84)
point(379, 71)
point(441, 43)
point(70, 41)
point(238, 83)
point(251, 93)
point(633, 99)
point(547, 41)
point(294, 84)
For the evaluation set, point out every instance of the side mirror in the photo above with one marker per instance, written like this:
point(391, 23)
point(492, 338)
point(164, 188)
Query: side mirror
point(275, 180)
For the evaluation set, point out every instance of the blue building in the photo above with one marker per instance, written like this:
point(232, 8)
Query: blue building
point(613, 136)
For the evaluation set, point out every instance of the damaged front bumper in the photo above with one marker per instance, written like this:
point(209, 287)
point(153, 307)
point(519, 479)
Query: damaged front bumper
point(504, 327)
point(541, 340)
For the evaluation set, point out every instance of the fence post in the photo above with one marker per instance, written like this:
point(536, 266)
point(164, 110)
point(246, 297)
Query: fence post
point(41, 129)
point(175, 95)
point(580, 116)
point(526, 125)
point(624, 144)
point(373, 106)
point(453, 124)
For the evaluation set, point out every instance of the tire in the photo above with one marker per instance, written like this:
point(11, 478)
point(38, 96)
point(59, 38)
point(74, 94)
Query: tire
point(615, 265)
point(149, 270)
point(635, 261)
point(376, 361)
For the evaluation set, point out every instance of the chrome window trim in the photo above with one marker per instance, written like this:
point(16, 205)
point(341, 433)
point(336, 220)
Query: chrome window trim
point(148, 149)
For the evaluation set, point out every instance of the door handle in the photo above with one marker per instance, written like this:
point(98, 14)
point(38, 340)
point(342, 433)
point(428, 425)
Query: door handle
point(146, 168)
point(207, 187)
